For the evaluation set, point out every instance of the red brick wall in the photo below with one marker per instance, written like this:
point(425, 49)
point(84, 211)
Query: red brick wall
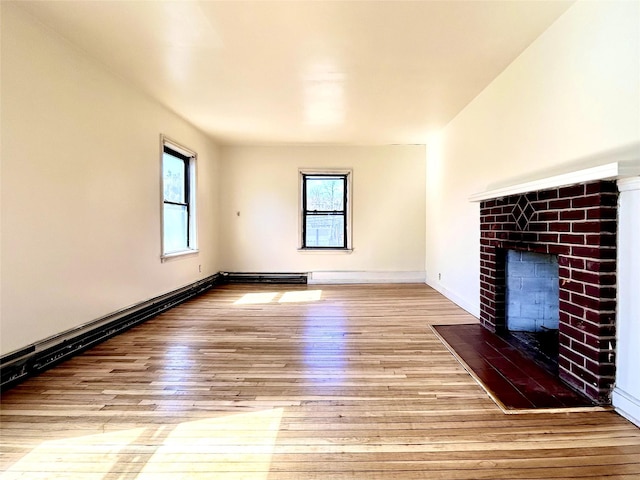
point(578, 223)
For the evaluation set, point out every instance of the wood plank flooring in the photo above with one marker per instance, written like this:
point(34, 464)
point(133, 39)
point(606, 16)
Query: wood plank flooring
point(270, 382)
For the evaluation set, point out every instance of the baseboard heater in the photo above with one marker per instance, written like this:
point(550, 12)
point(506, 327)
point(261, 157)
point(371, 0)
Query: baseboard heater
point(248, 277)
point(17, 366)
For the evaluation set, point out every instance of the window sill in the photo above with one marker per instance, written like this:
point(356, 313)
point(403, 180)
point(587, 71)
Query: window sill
point(326, 250)
point(182, 253)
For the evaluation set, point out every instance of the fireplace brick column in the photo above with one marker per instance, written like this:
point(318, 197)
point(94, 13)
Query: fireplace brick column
point(577, 223)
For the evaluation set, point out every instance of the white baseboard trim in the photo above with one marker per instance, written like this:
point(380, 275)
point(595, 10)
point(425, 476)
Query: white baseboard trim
point(318, 278)
point(461, 302)
point(626, 405)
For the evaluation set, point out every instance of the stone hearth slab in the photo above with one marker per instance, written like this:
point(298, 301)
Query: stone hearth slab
point(514, 381)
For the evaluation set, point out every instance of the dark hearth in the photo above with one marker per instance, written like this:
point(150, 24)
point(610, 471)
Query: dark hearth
point(512, 378)
point(542, 346)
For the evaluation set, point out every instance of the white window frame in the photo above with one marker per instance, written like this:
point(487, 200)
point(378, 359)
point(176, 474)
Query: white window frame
point(192, 246)
point(348, 173)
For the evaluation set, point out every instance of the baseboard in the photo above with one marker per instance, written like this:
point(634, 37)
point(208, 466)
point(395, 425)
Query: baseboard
point(253, 277)
point(461, 302)
point(626, 405)
point(343, 277)
point(17, 366)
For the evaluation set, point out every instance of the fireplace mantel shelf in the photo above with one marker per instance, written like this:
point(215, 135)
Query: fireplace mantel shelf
point(609, 171)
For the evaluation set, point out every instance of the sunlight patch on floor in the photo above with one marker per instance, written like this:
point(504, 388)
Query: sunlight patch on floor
point(286, 297)
point(256, 298)
point(238, 446)
point(301, 296)
point(75, 456)
point(235, 444)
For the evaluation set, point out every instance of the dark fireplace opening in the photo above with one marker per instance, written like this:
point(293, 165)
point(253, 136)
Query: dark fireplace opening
point(532, 312)
point(543, 347)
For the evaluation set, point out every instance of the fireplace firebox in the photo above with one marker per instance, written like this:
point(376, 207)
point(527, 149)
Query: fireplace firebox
point(532, 311)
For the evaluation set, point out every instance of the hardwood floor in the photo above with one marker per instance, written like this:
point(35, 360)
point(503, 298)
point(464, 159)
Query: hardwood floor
point(293, 382)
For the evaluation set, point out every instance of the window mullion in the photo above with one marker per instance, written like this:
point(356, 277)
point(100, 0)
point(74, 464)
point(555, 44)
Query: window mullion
point(176, 203)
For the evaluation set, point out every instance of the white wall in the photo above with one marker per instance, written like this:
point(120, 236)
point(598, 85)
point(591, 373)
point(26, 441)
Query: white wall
point(573, 95)
point(262, 184)
point(80, 189)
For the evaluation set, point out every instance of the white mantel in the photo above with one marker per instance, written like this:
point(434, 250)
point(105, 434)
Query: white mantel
point(621, 163)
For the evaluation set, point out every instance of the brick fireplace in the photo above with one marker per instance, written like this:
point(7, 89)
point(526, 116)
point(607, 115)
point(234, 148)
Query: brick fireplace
point(577, 224)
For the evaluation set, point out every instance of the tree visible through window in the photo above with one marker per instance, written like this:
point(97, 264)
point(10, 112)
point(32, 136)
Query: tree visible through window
point(178, 182)
point(324, 211)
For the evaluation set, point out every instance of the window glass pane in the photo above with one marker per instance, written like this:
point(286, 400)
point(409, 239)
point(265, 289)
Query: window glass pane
point(324, 231)
point(175, 228)
point(173, 171)
point(325, 193)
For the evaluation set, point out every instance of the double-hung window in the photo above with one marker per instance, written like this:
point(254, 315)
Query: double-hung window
point(178, 199)
point(325, 210)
